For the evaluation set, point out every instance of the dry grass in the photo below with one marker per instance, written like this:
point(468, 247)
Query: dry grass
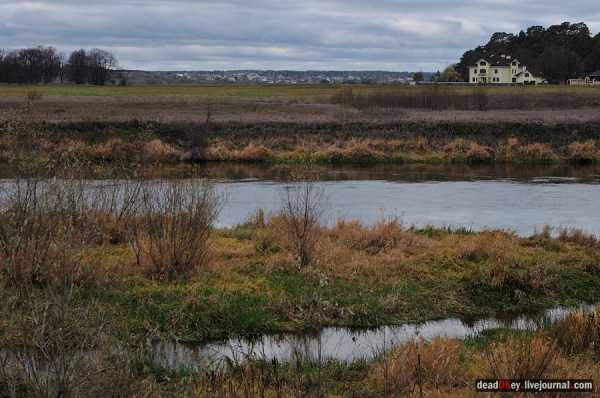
point(514, 151)
point(158, 151)
point(142, 147)
point(462, 98)
point(461, 150)
point(414, 367)
point(583, 152)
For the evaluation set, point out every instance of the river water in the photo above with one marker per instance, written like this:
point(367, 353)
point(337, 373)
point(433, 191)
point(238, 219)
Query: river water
point(522, 200)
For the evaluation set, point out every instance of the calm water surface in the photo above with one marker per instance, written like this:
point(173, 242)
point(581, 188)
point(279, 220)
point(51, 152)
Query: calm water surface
point(340, 343)
point(523, 200)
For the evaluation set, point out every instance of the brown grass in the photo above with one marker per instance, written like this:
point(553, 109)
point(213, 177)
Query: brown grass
point(583, 152)
point(420, 366)
point(514, 151)
point(461, 150)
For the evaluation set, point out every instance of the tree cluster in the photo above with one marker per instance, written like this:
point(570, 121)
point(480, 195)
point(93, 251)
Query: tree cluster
point(557, 53)
point(47, 65)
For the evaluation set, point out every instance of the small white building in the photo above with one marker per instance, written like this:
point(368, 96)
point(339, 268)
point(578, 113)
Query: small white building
point(501, 70)
point(592, 79)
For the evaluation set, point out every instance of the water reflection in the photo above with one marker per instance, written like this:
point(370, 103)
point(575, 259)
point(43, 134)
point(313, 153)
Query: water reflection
point(340, 344)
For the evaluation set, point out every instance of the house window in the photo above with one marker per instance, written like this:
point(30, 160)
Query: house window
point(482, 71)
point(496, 71)
point(482, 63)
point(514, 63)
point(474, 79)
point(526, 74)
point(514, 79)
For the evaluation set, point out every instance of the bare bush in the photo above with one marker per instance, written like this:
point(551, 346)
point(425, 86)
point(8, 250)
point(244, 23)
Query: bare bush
point(40, 233)
point(301, 212)
point(172, 230)
point(50, 351)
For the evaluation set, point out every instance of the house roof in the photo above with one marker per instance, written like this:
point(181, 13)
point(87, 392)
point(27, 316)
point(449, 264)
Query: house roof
point(499, 60)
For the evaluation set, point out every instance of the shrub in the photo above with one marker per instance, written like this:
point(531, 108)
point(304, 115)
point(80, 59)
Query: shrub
point(172, 230)
point(41, 233)
point(56, 349)
point(300, 213)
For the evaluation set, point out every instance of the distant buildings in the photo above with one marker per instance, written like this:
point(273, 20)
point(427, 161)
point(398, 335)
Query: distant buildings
point(268, 77)
point(502, 70)
point(592, 79)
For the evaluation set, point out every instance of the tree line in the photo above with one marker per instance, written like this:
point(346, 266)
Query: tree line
point(558, 53)
point(46, 65)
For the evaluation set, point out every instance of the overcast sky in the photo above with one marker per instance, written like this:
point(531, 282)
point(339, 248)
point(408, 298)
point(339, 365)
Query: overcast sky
point(394, 35)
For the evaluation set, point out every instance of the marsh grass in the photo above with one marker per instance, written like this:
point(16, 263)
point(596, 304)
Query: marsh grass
point(147, 144)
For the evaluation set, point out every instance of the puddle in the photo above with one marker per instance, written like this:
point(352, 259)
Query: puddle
point(340, 344)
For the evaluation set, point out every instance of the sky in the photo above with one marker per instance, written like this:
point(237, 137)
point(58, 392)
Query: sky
point(394, 35)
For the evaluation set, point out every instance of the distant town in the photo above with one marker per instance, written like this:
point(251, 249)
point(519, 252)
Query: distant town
point(267, 77)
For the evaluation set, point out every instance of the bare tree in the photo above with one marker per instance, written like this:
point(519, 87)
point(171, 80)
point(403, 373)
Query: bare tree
point(101, 63)
point(94, 66)
point(302, 210)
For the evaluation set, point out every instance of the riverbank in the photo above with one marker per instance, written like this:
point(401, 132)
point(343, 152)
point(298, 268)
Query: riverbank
point(147, 143)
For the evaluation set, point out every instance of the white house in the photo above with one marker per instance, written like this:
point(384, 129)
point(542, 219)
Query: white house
point(501, 70)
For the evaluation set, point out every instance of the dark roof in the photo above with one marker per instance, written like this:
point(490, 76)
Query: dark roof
point(499, 60)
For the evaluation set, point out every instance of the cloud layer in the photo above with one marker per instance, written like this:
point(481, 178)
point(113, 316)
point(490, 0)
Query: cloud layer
point(280, 34)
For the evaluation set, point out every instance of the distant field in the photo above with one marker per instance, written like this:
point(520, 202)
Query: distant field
point(241, 92)
point(250, 92)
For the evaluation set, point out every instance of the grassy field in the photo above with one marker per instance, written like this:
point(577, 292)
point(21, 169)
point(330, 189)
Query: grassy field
point(251, 92)
point(222, 91)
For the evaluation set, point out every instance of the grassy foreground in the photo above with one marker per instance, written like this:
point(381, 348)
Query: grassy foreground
point(360, 277)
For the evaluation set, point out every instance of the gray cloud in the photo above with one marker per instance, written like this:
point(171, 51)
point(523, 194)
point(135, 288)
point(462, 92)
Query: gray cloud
point(279, 34)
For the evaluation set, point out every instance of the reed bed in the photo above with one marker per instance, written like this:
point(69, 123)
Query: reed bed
point(313, 149)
